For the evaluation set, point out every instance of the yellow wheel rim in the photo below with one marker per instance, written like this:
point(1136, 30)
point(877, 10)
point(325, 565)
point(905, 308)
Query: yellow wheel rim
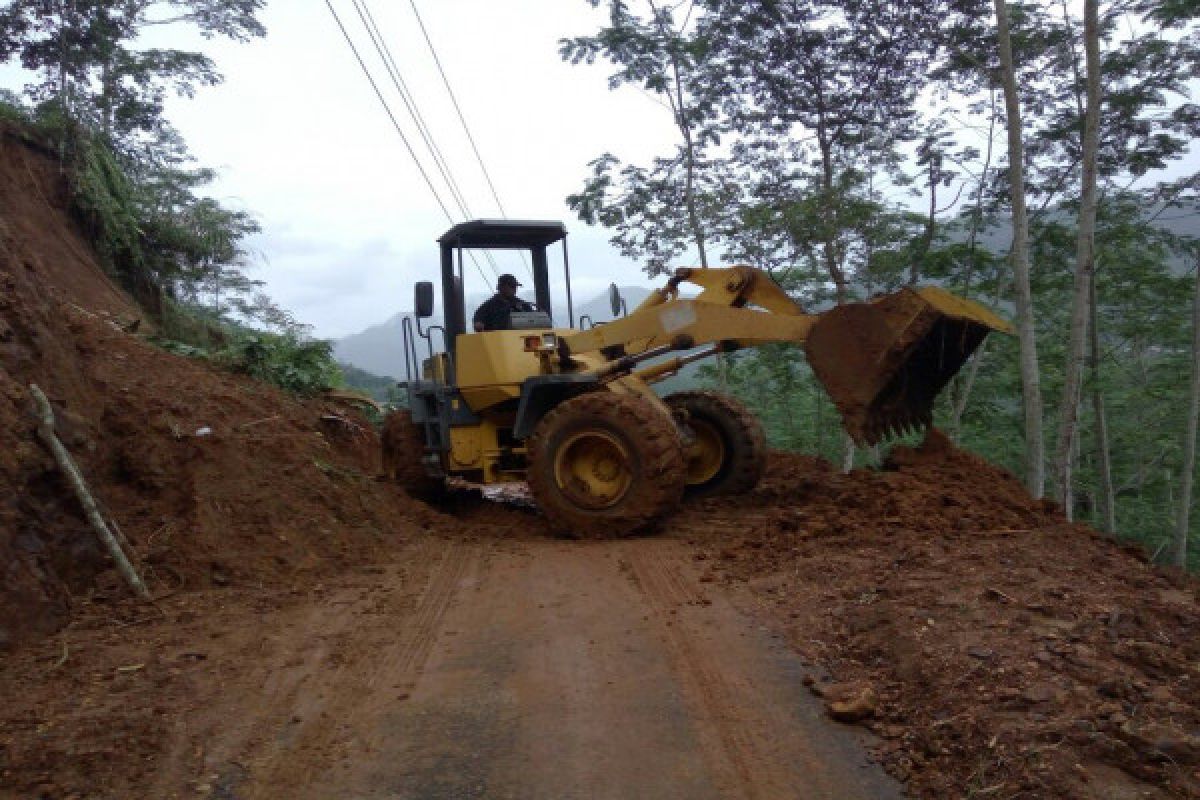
point(593, 469)
point(706, 453)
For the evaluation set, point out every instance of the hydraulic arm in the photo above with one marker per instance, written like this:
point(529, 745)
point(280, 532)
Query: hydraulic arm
point(882, 362)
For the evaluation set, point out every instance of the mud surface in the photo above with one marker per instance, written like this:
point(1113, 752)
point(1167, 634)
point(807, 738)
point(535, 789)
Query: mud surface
point(495, 664)
point(215, 479)
point(1006, 655)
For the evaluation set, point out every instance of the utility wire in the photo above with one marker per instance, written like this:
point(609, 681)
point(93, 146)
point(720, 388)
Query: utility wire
point(462, 119)
point(396, 124)
point(409, 101)
point(414, 111)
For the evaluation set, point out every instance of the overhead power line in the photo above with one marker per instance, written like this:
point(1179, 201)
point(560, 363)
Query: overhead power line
point(410, 102)
point(414, 111)
point(395, 124)
point(457, 108)
point(462, 118)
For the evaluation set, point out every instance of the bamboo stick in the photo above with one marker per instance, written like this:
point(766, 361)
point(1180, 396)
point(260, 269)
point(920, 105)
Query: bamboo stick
point(45, 418)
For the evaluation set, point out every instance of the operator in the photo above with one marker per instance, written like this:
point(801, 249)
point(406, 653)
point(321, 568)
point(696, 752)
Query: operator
point(493, 314)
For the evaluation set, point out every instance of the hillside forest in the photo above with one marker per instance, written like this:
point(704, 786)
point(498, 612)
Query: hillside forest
point(1033, 156)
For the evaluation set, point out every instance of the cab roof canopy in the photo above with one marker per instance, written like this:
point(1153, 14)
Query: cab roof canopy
point(504, 233)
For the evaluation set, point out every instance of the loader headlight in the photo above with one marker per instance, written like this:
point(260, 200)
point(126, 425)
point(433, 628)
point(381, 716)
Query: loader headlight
point(544, 342)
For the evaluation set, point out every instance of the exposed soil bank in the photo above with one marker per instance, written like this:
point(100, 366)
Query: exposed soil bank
point(215, 479)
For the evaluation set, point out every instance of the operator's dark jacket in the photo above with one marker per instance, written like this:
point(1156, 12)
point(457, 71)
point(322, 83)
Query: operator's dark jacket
point(494, 311)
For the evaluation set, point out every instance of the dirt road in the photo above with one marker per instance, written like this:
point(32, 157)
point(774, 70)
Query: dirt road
point(1011, 654)
point(530, 669)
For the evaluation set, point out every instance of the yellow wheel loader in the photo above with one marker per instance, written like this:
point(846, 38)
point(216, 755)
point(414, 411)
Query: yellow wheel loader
point(572, 411)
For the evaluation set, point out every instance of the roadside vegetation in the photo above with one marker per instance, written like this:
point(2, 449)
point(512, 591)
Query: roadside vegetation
point(96, 101)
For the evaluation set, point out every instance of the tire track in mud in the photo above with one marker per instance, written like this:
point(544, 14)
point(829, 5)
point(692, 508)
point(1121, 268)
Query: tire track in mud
point(730, 751)
point(316, 679)
point(761, 735)
point(229, 734)
point(419, 630)
point(382, 662)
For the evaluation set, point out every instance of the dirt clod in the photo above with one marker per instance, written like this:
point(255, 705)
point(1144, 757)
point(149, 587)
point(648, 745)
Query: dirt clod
point(853, 706)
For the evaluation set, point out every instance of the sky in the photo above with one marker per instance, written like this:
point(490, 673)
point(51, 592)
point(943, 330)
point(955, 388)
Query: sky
point(348, 223)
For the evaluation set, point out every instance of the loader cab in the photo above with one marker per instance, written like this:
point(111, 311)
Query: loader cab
point(533, 238)
point(459, 265)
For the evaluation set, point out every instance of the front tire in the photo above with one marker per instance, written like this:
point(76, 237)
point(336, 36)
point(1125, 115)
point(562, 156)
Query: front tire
point(604, 464)
point(727, 449)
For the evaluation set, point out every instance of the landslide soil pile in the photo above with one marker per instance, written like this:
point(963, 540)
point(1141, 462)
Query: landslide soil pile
point(997, 649)
point(215, 479)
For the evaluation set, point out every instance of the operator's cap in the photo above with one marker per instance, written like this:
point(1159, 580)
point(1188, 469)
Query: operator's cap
point(506, 280)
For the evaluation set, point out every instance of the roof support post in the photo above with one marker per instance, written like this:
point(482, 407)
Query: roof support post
point(541, 279)
point(452, 311)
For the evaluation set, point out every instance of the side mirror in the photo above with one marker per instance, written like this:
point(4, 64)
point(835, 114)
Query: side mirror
point(423, 299)
point(615, 301)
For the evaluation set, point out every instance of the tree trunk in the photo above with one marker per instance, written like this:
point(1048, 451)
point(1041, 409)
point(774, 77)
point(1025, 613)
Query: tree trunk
point(1084, 264)
point(829, 237)
point(64, 86)
point(977, 212)
point(1182, 519)
point(680, 110)
point(690, 186)
point(914, 267)
point(1107, 504)
point(44, 414)
point(832, 262)
point(819, 417)
point(1030, 380)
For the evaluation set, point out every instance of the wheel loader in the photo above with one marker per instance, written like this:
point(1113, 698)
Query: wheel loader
point(571, 410)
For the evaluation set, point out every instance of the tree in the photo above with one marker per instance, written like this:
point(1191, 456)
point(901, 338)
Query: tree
point(651, 209)
point(84, 53)
point(1179, 544)
point(1107, 141)
point(647, 206)
point(1019, 255)
point(839, 75)
point(1085, 265)
point(102, 98)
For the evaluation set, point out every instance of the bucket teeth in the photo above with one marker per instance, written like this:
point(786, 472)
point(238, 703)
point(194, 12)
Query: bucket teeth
point(884, 425)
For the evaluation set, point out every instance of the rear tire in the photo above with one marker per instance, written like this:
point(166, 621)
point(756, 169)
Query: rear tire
point(729, 450)
point(604, 464)
point(403, 447)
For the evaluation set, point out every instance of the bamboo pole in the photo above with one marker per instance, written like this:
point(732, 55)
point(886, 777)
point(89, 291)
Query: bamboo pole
point(45, 417)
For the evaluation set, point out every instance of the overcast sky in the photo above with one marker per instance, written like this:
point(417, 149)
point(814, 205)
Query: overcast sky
point(348, 223)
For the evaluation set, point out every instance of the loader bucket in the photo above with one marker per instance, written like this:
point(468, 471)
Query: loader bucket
point(883, 363)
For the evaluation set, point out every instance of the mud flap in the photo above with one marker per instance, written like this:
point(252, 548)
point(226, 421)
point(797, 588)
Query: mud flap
point(884, 363)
